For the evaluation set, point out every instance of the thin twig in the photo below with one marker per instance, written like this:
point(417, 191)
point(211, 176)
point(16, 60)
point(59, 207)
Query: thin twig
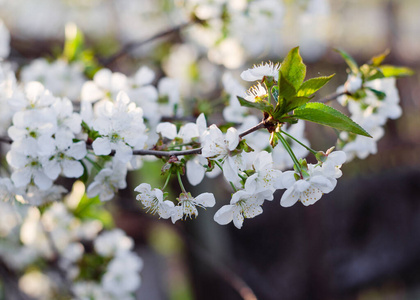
point(56, 252)
point(166, 153)
point(253, 129)
point(5, 139)
point(130, 46)
point(333, 96)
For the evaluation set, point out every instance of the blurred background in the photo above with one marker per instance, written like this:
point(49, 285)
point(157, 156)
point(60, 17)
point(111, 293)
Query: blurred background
point(361, 241)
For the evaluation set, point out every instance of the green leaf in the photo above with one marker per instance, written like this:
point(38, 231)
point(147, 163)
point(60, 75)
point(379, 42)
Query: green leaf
point(287, 90)
point(93, 209)
point(325, 115)
point(378, 59)
point(349, 60)
point(312, 85)
point(262, 106)
point(73, 45)
point(380, 95)
point(293, 69)
point(296, 102)
point(393, 71)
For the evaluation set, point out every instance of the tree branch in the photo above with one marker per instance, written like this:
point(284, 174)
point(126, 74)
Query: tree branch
point(130, 46)
point(260, 125)
point(333, 96)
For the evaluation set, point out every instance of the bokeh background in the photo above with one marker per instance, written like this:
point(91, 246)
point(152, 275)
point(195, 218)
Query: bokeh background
point(361, 241)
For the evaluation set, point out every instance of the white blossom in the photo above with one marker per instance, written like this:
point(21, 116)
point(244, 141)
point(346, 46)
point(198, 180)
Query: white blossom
point(187, 205)
point(121, 129)
point(108, 181)
point(153, 200)
point(244, 204)
point(258, 72)
point(219, 147)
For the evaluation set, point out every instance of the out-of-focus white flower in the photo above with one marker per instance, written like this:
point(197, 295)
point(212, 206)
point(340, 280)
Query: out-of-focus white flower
point(111, 242)
point(108, 181)
point(281, 158)
point(258, 72)
point(4, 41)
point(59, 77)
point(105, 85)
point(353, 83)
point(169, 97)
point(121, 128)
point(66, 161)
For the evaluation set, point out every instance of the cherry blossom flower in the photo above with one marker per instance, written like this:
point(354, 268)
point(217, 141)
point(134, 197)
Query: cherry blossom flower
point(105, 85)
point(256, 92)
point(187, 205)
point(153, 200)
point(258, 72)
point(121, 129)
point(220, 147)
point(66, 161)
point(244, 204)
point(308, 190)
point(265, 176)
point(108, 181)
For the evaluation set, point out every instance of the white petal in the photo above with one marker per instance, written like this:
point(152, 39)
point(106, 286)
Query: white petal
point(41, 180)
point(290, 197)
point(195, 170)
point(72, 168)
point(206, 199)
point(232, 138)
point(101, 146)
point(224, 215)
point(167, 130)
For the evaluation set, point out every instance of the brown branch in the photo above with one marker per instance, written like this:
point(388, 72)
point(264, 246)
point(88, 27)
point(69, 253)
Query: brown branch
point(5, 139)
point(260, 125)
point(333, 96)
point(130, 46)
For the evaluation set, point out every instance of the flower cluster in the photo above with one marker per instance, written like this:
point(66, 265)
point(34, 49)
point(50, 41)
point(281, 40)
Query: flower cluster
point(371, 100)
point(72, 248)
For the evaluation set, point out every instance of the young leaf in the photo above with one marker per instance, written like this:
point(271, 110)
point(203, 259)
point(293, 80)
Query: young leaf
point(379, 94)
point(312, 85)
point(263, 106)
point(349, 60)
point(287, 90)
point(293, 69)
point(296, 102)
point(325, 115)
point(393, 71)
point(378, 59)
point(73, 44)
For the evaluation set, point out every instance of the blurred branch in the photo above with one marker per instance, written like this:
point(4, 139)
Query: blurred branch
point(333, 96)
point(131, 46)
point(5, 139)
point(67, 284)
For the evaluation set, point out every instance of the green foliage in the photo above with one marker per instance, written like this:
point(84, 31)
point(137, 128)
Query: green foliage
point(354, 68)
point(260, 105)
point(328, 116)
point(93, 209)
point(393, 71)
point(293, 69)
point(312, 85)
point(74, 43)
point(378, 59)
